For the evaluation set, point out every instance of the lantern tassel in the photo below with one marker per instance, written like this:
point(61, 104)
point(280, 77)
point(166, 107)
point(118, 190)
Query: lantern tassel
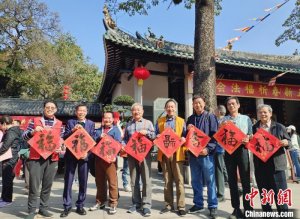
point(140, 82)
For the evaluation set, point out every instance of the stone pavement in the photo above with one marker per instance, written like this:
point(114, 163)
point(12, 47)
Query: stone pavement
point(19, 207)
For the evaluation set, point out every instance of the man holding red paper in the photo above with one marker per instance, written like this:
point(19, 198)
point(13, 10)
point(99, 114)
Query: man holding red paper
point(71, 162)
point(202, 167)
point(271, 174)
point(173, 166)
point(105, 171)
point(42, 171)
point(140, 169)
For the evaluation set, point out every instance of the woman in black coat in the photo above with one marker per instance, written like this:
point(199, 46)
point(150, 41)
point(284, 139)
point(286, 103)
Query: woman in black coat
point(271, 174)
point(11, 139)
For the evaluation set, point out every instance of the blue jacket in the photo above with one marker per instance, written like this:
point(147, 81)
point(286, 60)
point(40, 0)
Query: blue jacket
point(208, 123)
point(89, 127)
point(114, 132)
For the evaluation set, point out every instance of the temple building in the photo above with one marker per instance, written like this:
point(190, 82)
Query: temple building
point(241, 74)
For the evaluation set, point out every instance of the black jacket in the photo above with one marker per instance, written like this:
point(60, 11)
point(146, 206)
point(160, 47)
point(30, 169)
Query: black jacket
point(278, 161)
point(11, 139)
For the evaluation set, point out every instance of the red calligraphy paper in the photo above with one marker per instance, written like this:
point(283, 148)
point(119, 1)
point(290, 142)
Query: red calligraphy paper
point(263, 144)
point(196, 140)
point(168, 142)
point(107, 149)
point(138, 146)
point(229, 136)
point(79, 143)
point(45, 142)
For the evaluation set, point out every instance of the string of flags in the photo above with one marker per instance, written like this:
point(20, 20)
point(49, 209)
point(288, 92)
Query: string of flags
point(272, 81)
point(248, 28)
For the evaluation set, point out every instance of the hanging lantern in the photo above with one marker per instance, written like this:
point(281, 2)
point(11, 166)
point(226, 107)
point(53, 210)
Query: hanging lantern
point(141, 74)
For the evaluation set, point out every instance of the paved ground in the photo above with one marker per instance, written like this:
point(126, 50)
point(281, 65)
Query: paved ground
point(19, 207)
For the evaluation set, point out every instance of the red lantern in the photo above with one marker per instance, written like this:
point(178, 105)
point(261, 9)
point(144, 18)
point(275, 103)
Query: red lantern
point(66, 92)
point(141, 73)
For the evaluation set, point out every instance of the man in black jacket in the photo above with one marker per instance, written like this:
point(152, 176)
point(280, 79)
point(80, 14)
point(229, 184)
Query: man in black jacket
point(271, 174)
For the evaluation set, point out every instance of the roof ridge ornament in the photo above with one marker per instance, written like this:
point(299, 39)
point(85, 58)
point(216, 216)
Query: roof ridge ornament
point(108, 21)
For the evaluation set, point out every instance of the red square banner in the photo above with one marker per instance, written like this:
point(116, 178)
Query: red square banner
point(263, 144)
point(107, 149)
point(138, 146)
point(196, 140)
point(229, 136)
point(79, 143)
point(168, 142)
point(45, 142)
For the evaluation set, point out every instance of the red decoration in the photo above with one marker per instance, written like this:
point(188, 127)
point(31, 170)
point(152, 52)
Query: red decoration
point(263, 144)
point(138, 146)
point(196, 140)
point(107, 149)
point(66, 92)
point(229, 136)
point(45, 142)
point(168, 142)
point(79, 143)
point(141, 73)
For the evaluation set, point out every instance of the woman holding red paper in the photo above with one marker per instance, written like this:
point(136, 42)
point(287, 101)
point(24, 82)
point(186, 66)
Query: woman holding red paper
point(270, 175)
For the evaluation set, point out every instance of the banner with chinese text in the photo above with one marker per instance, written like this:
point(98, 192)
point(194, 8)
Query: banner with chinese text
point(79, 143)
point(257, 90)
point(229, 136)
point(138, 146)
point(196, 140)
point(263, 144)
point(107, 149)
point(45, 142)
point(168, 142)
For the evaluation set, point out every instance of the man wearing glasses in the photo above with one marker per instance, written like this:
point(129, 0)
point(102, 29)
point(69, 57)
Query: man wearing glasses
point(42, 171)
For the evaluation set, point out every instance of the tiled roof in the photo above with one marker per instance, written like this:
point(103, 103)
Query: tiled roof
point(13, 106)
point(236, 58)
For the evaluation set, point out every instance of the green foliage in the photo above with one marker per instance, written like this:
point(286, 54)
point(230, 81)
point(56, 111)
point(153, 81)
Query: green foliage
point(123, 100)
point(292, 25)
point(131, 7)
point(37, 60)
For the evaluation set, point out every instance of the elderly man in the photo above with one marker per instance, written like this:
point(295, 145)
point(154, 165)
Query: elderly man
point(239, 159)
point(271, 174)
point(71, 163)
point(202, 167)
point(42, 171)
point(172, 167)
point(140, 170)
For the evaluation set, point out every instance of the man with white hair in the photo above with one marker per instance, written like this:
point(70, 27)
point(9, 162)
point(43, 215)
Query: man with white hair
point(140, 170)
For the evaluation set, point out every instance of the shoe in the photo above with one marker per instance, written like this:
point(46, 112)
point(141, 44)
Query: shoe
point(146, 212)
point(195, 209)
point(97, 206)
point(4, 204)
point(112, 210)
point(66, 212)
point(165, 210)
point(132, 209)
point(31, 215)
point(182, 212)
point(236, 214)
point(45, 213)
point(221, 199)
point(212, 212)
point(127, 188)
point(81, 211)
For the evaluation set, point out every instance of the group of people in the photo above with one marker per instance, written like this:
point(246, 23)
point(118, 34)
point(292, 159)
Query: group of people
point(206, 170)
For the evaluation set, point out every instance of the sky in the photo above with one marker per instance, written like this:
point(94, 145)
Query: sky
point(83, 20)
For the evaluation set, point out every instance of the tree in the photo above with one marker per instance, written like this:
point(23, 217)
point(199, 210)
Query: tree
point(36, 59)
point(292, 25)
point(204, 44)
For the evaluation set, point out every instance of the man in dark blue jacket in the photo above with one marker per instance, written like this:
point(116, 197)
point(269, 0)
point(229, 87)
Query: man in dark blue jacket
point(71, 163)
point(202, 167)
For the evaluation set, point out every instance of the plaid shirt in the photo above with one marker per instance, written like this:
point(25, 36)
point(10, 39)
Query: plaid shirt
point(135, 126)
point(48, 122)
